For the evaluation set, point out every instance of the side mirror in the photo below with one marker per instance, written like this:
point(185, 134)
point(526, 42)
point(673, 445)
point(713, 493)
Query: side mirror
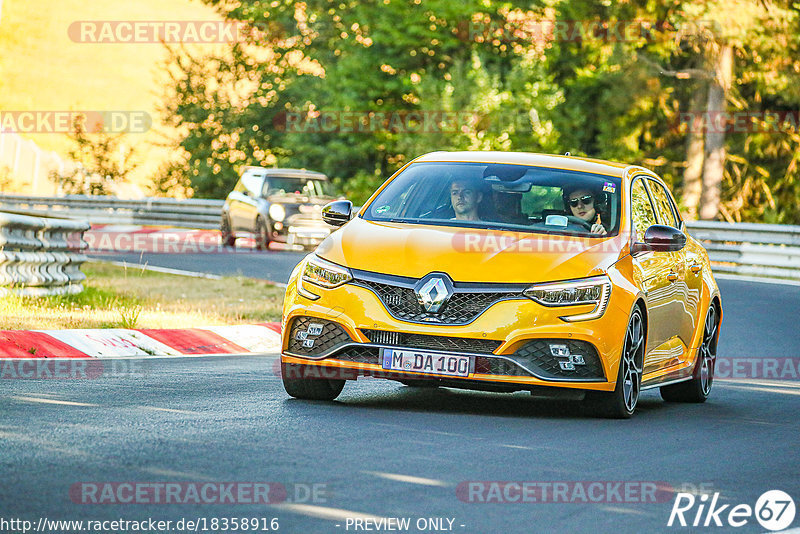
point(661, 238)
point(337, 213)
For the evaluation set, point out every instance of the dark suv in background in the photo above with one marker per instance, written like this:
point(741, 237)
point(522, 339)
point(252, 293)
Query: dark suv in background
point(282, 205)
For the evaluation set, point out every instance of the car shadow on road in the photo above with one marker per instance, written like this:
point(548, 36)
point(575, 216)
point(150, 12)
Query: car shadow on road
point(455, 401)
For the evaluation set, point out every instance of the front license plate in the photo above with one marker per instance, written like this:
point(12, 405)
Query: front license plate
point(426, 362)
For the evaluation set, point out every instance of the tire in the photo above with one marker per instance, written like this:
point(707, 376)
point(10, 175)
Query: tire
point(699, 387)
point(309, 388)
point(226, 235)
point(262, 235)
point(621, 403)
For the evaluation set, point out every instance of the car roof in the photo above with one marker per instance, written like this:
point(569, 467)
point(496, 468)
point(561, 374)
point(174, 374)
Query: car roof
point(573, 163)
point(271, 171)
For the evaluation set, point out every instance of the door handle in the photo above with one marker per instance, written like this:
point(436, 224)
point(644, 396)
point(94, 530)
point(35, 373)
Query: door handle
point(672, 276)
point(696, 267)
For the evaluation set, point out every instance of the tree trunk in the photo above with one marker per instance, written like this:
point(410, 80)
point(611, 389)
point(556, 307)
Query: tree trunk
point(693, 175)
point(714, 164)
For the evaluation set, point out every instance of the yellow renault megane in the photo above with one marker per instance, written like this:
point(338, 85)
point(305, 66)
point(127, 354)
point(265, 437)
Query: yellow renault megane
point(505, 272)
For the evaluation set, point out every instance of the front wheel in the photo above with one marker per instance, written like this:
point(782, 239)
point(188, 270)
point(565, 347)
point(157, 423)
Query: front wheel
point(314, 388)
point(262, 235)
point(699, 387)
point(621, 403)
point(226, 234)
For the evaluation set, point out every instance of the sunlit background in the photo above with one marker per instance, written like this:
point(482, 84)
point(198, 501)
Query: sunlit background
point(707, 95)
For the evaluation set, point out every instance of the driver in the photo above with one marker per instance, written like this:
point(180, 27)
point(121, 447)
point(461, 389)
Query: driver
point(582, 203)
point(465, 197)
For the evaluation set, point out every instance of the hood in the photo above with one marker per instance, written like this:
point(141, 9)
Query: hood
point(468, 255)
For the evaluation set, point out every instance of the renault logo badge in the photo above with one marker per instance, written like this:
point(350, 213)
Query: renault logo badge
point(433, 292)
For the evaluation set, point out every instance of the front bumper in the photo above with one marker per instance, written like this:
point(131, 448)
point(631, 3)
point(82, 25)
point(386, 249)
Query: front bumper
point(510, 342)
point(304, 235)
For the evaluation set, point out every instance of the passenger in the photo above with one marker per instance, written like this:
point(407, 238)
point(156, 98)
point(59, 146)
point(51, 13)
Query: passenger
point(465, 197)
point(583, 204)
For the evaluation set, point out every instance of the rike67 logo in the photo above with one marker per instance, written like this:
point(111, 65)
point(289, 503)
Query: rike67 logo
point(774, 510)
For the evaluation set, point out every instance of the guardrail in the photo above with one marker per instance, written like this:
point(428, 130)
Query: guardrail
point(40, 256)
point(190, 213)
point(741, 248)
point(750, 249)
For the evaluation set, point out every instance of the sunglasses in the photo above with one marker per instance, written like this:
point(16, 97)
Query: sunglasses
point(585, 200)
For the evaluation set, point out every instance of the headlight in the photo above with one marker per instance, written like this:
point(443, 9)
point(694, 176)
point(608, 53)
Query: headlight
point(322, 273)
point(595, 290)
point(277, 212)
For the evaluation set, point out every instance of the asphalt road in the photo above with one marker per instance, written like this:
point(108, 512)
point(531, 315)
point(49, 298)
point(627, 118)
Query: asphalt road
point(383, 449)
point(388, 451)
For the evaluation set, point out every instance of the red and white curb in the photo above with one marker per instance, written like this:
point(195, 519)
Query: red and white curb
point(155, 342)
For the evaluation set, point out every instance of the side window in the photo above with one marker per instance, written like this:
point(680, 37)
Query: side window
point(641, 209)
point(664, 210)
point(252, 183)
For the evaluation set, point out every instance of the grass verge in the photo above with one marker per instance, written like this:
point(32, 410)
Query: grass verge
point(119, 297)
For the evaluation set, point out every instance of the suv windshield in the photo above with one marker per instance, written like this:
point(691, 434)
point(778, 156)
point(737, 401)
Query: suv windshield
point(279, 185)
point(502, 196)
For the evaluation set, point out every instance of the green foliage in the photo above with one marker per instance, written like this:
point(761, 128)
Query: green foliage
point(513, 88)
point(170, 180)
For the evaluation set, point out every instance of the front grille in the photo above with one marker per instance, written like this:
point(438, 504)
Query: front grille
point(463, 307)
point(537, 355)
point(535, 358)
point(424, 341)
point(332, 335)
point(359, 354)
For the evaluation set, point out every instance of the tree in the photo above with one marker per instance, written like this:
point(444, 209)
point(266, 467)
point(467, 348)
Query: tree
point(520, 82)
point(353, 57)
point(100, 160)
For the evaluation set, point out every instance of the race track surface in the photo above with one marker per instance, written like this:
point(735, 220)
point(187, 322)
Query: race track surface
point(386, 450)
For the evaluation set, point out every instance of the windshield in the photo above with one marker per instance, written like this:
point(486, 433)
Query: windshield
point(279, 185)
point(512, 197)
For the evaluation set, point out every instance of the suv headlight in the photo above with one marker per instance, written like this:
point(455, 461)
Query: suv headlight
point(321, 273)
point(595, 290)
point(277, 212)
